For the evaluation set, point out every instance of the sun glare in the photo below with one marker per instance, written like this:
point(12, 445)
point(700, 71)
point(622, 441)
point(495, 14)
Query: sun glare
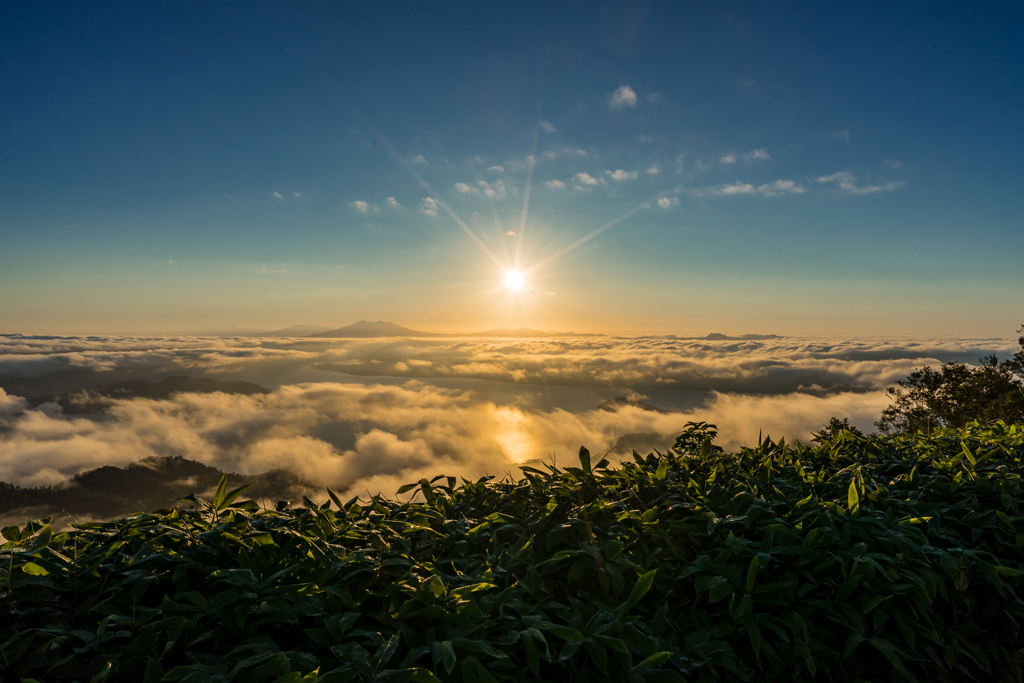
point(514, 279)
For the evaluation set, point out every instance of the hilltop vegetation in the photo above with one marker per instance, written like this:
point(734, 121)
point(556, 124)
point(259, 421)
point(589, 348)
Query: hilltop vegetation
point(861, 559)
point(957, 394)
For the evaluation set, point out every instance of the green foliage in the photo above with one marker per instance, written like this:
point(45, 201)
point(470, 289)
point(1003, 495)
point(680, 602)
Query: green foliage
point(862, 559)
point(833, 429)
point(957, 394)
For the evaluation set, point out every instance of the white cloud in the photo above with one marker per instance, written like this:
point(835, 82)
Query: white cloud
point(644, 138)
point(360, 205)
point(757, 155)
point(624, 97)
point(497, 169)
point(776, 189)
point(842, 135)
point(418, 159)
point(893, 164)
point(555, 185)
point(619, 175)
point(655, 98)
point(277, 195)
point(510, 233)
point(401, 432)
point(429, 206)
point(464, 188)
point(547, 127)
point(584, 179)
point(495, 190)
point(296, 194)
point(392, 203)
point(847, 183)
point(653, 169)
point(729, 158)
point(666, 202)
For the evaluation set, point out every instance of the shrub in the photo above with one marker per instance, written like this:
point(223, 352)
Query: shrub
point(864, 558)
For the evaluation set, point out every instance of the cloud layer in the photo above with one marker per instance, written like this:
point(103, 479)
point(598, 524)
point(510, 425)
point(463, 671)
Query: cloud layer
point(397, 433)
point(407, 419)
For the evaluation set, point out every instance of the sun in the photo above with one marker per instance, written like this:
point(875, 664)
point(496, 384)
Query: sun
point(514, 280)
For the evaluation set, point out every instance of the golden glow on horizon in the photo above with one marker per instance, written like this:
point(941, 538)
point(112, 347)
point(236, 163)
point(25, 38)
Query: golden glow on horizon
point(514, 435)
point(514, 280)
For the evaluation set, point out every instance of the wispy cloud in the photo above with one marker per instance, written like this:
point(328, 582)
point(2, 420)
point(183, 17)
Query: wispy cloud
point(847, 183)
point(842, 135)
point(362, 206)
point(277, 195)
point(429, 206)
point(893, 164)
point(497, 169)
point(392, 203)
point(644, 138)
point(624, 97)
point(666, 202)
point(547, 127)
point(653, 169)
point(417, 159)
point(584, 179)
point(655, 98)
point(555, 185)
point(776, 189)
point(729, 158)
point(466, 189)
point(619, 175)
point(757, 155)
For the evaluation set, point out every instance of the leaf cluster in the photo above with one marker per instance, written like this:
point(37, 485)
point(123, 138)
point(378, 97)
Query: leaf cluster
point(861, 559)
point(956, 394)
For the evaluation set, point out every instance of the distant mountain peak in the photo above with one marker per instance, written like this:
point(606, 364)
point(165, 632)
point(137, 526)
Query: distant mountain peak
point(368, 329)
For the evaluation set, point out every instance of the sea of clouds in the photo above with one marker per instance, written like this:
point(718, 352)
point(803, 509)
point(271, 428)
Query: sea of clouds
point(370, 415)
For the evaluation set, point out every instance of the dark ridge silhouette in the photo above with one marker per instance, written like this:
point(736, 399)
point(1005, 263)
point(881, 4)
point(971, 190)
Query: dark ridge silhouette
point(614, 404)
point(97, 399)
point(367, 329)
point(150, 484)
point(642, 442)
point(718, 336)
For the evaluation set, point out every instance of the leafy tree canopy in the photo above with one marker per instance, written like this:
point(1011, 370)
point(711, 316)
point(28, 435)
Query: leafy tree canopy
point(957, 394)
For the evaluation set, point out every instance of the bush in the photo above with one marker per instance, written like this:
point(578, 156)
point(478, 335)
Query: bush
point(864, 558)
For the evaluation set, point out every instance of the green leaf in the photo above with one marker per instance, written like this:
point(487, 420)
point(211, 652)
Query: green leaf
point(33, 569)
point(565, 633)
point(752, 568)
point(585, 459)
point(643, 585)
point(852, 497)
point(221, 488)
point(657, 659)
point(968, 454)
point(229, 498)
point(721, 588)
point(532, 655)
point(891, 652)
point(448, 657)
point(337, 501)
point(662, 470)
point(1008, 571)
point(755, 637)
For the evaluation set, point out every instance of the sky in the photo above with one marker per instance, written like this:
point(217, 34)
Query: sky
point(661, 167)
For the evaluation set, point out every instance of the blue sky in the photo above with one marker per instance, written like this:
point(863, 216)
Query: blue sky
point(821, 169)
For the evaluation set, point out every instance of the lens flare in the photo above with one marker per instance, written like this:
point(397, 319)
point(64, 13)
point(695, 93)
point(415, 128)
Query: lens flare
point(514, 280)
